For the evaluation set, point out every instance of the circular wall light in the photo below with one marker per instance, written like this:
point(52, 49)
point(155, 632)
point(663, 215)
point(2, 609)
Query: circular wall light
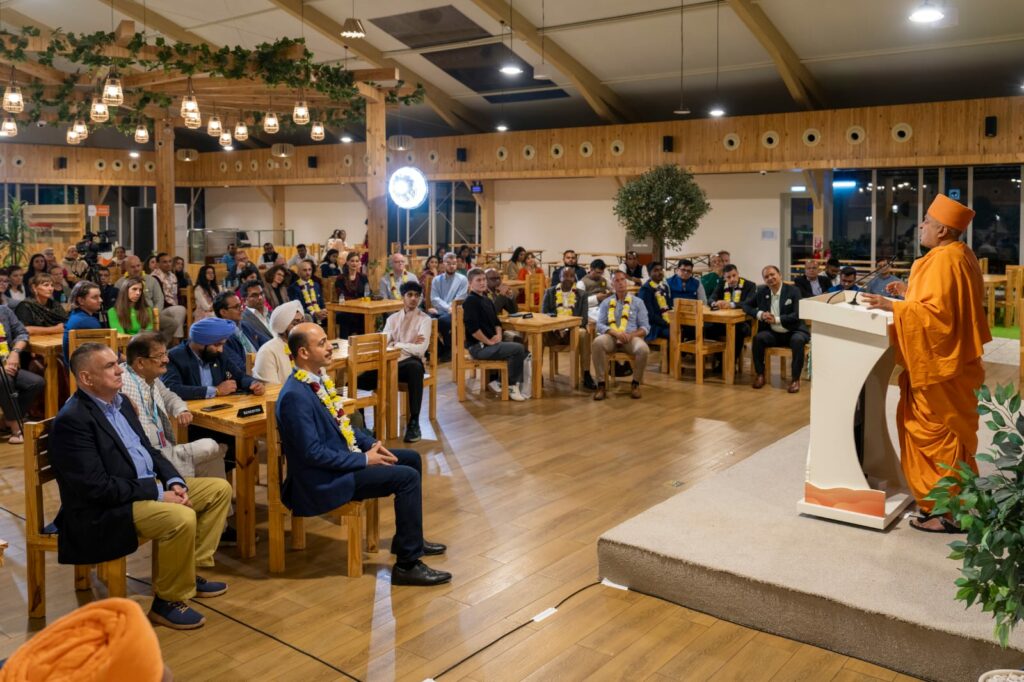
point(407, 187)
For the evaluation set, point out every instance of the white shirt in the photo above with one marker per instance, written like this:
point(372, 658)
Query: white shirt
point(776, 307)
point(272, 365)
point(409, 350)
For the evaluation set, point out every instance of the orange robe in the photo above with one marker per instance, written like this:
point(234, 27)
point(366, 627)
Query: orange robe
point(939, 332)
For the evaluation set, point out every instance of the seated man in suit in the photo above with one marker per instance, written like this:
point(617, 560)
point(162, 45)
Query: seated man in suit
point(565, 300)
point(776, 306)
point(847, 280)
point(812, 282)
point(621, 326)
point(115, 488)
point(657, 296)
point(732, 292)
point(242, 341)
point(256, 315)
point(331, 463)
point(305, 290)
point(391, 284)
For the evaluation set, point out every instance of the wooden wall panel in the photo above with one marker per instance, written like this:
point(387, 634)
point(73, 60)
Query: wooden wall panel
point(28, 163)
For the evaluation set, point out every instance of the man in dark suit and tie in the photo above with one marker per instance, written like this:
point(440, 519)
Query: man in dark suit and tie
point(776, 306)
point(812, 282)
point(115, 488)
point(331, 463)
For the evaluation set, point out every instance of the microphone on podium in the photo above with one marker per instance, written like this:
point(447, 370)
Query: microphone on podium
point(888, 263)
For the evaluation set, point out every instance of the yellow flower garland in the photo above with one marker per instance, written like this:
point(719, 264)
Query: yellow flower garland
point(662, 303)
point(612, 302)
point(4, 349)
point(395, 285)
point(565, 311)
point(309, 296)
point(325, 391)
point(736, 294)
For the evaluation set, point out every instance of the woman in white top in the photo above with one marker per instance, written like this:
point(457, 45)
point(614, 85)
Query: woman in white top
point(408, 330)
point(16, 287)
point(273, 364)
point(205, 290)
point(337, 241)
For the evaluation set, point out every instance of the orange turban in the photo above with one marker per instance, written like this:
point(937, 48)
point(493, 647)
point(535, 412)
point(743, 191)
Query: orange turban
point(950, 213)
point(105, 640)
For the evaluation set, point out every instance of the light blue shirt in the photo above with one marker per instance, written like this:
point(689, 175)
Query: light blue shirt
point(446, 289)
point(205, 376)
point(878, 284)
point(637, 314)
point(385, 285)
point(140, 456)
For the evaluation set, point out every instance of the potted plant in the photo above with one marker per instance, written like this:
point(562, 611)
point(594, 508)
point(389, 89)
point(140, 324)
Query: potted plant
point(990, 508)
point(664, 204)
point(13, 231)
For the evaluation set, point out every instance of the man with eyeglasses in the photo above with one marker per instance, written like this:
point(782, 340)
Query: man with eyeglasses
point(255, 317)
point(245, 339)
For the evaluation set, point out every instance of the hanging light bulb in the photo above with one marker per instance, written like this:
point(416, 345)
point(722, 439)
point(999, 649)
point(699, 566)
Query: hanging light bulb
point(142, 133)
point(316, 133)
point(189, 104)
point(81, 129)
point(241, 131)
point(225, 139)
point(353, 28)
point(99, 113)
point(113, 94)
point(193, 120)
point(300, 114)
point(270, 123)
point(13, 101)
point(9, 128)
point(213, 126)
point(72, 136)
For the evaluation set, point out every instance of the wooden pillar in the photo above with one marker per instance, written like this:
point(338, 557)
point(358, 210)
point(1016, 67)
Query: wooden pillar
point(164, 186)
point(376, 176)
point(819, 183)
point(277, 202)
point(485, 200)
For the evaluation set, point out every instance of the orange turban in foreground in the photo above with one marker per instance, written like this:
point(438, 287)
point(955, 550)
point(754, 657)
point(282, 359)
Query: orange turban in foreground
point(106, 640)
point(950, 213)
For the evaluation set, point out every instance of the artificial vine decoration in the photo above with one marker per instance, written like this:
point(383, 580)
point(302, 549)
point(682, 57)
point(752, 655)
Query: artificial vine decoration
point(272, 63)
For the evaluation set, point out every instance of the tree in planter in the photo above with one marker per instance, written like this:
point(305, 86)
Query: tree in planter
point(991, 509)
point(12, 232)
point(664, 204)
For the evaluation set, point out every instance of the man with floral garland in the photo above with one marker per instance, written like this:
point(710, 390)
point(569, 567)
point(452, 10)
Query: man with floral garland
point(657, 296)
point(621, 326)
point(391, 283)
point(307, 291)
point(565, 300)
point(732, 291)
point(331, 463)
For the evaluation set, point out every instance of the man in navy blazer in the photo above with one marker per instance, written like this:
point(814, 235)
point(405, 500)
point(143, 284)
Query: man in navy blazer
point(227, 306)
point(776, 306)
point(324, 473)
point(116, 488)
point(304, 282)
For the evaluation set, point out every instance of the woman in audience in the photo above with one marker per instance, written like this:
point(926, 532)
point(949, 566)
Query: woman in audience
point(516, 263)
point(530, 267)
point(5, 286)
point(40, 313)
point(16, 291)
point(205, 290)
point(184, 281)
point(337, 242)
point(276, 291)
point(150, 265)
point(350, 285)
point(430, 271)
point(329, 268)
point(130, 314)
point(36, 266)
point(117, 260)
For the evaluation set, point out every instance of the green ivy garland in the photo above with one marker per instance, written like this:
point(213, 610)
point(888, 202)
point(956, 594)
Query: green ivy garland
point(271, 61)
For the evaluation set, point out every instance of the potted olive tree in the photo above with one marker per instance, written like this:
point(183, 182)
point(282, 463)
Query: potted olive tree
point(664, 204)
point(990, 508)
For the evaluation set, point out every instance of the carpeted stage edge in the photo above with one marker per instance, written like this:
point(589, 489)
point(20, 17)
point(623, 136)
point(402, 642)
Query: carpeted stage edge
point(735, 547)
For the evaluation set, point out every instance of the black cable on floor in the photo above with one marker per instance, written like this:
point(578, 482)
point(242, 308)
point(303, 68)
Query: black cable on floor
point(510, 632)
point(14, 514)
point(277, 639)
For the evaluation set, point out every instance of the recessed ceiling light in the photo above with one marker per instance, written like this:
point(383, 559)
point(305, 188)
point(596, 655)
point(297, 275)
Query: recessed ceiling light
point(511, 70)
point(134, 155)
point(716, 112)
point(501, 127)
point(926, 13)
point(346, 139)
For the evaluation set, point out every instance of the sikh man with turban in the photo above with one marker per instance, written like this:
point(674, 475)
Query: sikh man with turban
point(273, 362)
point(939, 331)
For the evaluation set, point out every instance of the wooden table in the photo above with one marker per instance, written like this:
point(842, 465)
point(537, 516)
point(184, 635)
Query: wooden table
point(992, 282)
point(369, 309)
point(730, 317)
point(534, 328)
point(51, 347)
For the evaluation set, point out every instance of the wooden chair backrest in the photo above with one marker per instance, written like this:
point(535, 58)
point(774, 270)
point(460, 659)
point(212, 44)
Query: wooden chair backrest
point(690, 313)
point(38, 473)
point(426, 292)
point(250, 362)
point(80, 337)
point(366, 353)
point(432, 361)
point(536, 284)
point(154, 316)
point(276, 461)
point(327, 289)
point(221, 271)
point(458, 329)
point(983, 262)
point(190, 307)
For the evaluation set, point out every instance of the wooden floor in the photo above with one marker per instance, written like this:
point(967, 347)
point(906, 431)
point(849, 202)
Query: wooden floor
point(520, 493)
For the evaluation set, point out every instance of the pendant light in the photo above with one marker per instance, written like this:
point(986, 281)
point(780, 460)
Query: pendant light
point(300, 114)
point(511, 67)
point(683, 110)
point(316, 133)
point(9, 127)
point(98, 112)
point(717, 110)
point(224, 139)
point(14, 103)
point(241, 130)
point(141, 133)
point(72, 137)
point(353, 28)
point(81, 129)
point(926, 13)
point(270, 123)
point(541, 72)
point(193, 121)
point(113, 94)
point(213, 126)
point(189, 104)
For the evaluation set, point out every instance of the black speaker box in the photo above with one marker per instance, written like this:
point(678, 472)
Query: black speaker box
point(461, 154)
point(667, 143)
point(60, 163)
point(990, 126)
point(311, 161)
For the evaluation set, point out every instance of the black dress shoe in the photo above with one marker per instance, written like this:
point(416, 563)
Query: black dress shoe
point(588, 382)
point(412, 432)
point(420, 575)
point(434, 548)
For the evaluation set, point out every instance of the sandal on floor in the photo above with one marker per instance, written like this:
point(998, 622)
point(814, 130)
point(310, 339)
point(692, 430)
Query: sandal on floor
point(16, 439)
point(948, 526)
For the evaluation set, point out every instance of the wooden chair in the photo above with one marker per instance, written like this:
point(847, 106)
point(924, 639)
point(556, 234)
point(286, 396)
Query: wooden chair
point(662, 346)
point(155, 316)
point(983, 262)
point(328, 289)
point(554, 351)
point(609, 369)
point(250, 362)
point(1011, 294)
point(366, 353)
point(351, 513)
point(38, 473)
point(190, 308)
point(426, 292)
point(429, 377)
point(221, 271)
point(690, 313)
point(536, 285)
point(462, 361)
point(80, 337)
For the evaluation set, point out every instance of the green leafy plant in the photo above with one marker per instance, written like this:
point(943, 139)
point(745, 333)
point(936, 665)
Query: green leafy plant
point(991, 509)
point(13, 232)
point(664, 204)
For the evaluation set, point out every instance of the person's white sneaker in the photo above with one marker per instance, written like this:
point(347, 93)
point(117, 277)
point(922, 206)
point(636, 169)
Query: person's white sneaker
point(514, 394)
point(495, 386)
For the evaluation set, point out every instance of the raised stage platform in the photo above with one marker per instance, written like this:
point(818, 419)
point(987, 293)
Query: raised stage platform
point(734, 547)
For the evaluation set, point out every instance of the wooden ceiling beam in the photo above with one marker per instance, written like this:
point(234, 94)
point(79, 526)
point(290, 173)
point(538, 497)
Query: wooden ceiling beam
point(802, 86)
point(605, 103)
point(156, 21)
point(454, 113)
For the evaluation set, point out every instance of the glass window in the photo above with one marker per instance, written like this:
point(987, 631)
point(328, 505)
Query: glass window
point(851, 215)
point(801, 230)
point(51, 194)
point(956, 184)
point(929, 190)
point(895, 213)
point(996, 224)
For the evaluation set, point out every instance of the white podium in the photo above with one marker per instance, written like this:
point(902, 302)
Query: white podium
point(850, 350)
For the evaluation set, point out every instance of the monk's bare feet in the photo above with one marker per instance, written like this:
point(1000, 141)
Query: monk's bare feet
point(934, 524)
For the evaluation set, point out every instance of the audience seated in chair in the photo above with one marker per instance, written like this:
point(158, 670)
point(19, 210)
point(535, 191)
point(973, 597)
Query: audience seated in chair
point(776, 306)
point(569, 260)
point(86, 303)
point(446, 288)
point(13, 342)
point(273, 364)
point(130, 313)
point(483, 335)
point(115, 489)
point(408, 330)
point(883, 278)
point(847, 280)
point(172, 319)
point(657, 296)
point(732, 292)
point(595, 287)
point(256, 315)
point(635, 271)
point(832, 268)
point(621, 327)
point(227, 306)
point(391, 283)
point(169, 306)
point(38, 311)
point(331, 463)
point(812, 282)
point(684, 285)
point(710, 279)
point(309, 293)
point(565, 300)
